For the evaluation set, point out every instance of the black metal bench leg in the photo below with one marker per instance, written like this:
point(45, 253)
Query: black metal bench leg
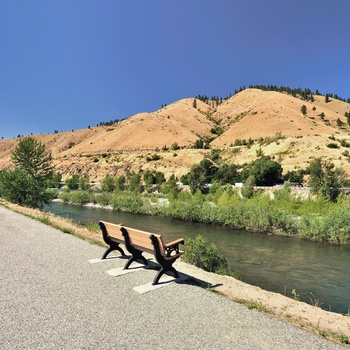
point(137, 258)
point(110, 249)
point(162, 271)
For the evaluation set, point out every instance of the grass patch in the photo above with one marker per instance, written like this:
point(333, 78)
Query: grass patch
point(344, 339)
point(253, 304)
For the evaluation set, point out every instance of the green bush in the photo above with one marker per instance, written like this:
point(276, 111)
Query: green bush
point(80, 197)
point(332, 145)
point(77, 197)
point(104, 198)
point(200, 253)
point(20, 187)
point(333, 227)
point(128, 202)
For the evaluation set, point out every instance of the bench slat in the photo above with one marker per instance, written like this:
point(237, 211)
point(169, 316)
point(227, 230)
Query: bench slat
point(114, 230)
point(141, 240)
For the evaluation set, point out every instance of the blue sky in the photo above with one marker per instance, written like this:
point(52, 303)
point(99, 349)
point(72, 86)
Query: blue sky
point(68, 64)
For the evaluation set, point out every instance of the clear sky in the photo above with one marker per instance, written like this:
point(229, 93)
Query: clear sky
point(68, 64)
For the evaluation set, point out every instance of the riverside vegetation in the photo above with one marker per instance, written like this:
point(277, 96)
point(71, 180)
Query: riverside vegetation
point(314, 218)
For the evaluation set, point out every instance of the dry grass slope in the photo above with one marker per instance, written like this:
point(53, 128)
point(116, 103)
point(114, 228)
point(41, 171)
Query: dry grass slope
point(294, 138)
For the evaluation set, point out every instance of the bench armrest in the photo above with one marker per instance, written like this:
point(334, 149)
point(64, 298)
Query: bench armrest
point(173, 246)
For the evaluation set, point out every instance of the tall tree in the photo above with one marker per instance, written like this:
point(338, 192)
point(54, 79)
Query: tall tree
point(25, 184)
point(195, 103)
point(31, 155)
point(303, 109)
point(266, 172)
point(325, 179)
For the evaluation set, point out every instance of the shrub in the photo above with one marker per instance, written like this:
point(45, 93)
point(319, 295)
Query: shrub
point(332, 227)
point(206, 256)
point(64, 196)
point(128, 202)
point(332, 145)
point(80, 197)
point(20, 187)
point(104, 198)
point(175, 146)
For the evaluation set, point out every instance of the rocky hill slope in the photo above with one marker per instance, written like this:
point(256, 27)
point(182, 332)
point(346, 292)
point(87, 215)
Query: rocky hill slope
point(249, 122)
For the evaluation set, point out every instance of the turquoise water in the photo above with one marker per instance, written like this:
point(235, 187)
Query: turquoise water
point(278, 264)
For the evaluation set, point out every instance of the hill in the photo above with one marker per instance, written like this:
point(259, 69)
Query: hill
point(249, 122)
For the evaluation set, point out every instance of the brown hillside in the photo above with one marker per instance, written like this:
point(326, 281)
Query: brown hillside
point(272, 120)
point(254, 114)
point(179, 122)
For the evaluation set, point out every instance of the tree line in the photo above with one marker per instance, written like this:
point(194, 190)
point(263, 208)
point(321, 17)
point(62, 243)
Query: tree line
point(306, 94)
point(32, 172)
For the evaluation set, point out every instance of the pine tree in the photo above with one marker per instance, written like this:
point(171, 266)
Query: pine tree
point(303, 109)
point(195, 103)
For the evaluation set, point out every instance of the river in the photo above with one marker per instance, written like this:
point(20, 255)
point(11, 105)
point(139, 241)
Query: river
point(318, 272)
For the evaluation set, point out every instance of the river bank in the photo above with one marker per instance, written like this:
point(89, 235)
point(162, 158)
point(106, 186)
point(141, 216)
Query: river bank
point(312, 318)
point(314, 219)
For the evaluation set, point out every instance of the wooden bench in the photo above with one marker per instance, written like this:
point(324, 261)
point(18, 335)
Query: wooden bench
point(138, 242)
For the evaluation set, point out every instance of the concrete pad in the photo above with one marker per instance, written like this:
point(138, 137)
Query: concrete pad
point(120, 271)
point(98, 260)
point(94, 261)
point(164, 281)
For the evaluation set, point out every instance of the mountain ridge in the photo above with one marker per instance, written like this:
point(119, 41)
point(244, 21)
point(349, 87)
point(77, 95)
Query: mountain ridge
point(249, 121)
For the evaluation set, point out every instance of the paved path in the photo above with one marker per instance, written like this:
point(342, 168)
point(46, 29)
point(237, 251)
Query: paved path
point(52, 297)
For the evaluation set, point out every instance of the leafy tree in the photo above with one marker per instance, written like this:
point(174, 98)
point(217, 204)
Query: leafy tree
point(149, 178)
point(227, 174)
point(325, 179)
point(84, 182)
point(170, 187)
point(73, 182)
point(159, 178)
point(25, 184)
point(135, 183)
point(266, 172)
point(215, 154)
point(18, 186)
point(200, 175)
point(54, 181)
point(294, 176)
point(185, 179)
point(197, 179)
point(248, 188)
point(199, 144)
point(120, 183)
point(108, 184)
point(195, 103)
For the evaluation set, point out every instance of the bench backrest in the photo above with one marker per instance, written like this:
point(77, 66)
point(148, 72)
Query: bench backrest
point(141, 240)
point(114, 231)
